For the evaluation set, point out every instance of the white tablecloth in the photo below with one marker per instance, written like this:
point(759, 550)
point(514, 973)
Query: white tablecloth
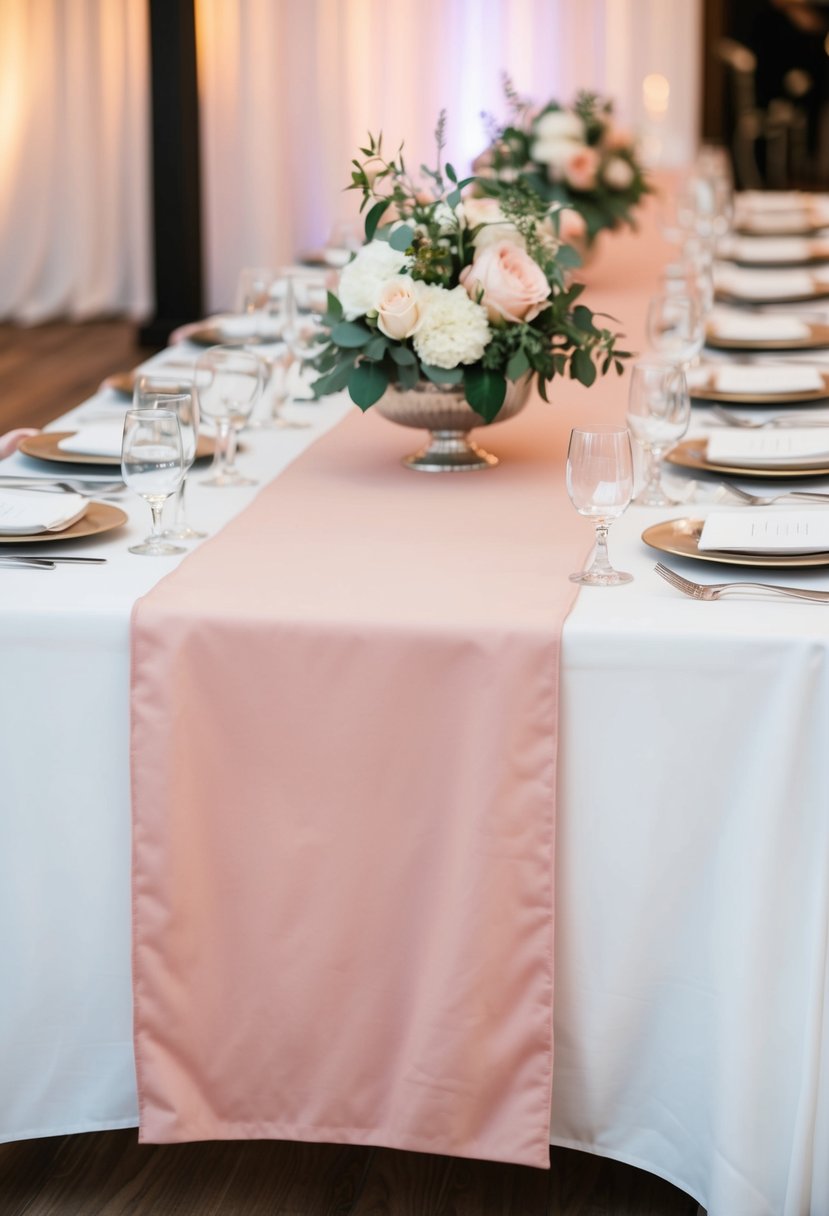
point(692, 1019)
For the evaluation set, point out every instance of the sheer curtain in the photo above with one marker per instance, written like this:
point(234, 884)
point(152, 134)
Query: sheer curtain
point(74, 191)
point(288, 91)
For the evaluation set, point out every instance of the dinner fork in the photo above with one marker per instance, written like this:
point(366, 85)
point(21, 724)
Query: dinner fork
point(713, 591)
point(779, 420)
point(88, 489)
point(768, 500)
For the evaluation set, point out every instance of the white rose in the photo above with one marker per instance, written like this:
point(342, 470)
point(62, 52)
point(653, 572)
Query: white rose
point(399, 310)
point(453, 328)
point(557, 125)
point(618, 173)
point(361, 281)
point(554, 153)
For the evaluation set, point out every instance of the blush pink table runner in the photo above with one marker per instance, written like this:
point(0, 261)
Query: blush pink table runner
point(344, 725)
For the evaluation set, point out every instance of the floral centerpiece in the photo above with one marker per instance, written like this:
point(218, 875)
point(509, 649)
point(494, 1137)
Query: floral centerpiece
point(453, 293)
point(572, 155)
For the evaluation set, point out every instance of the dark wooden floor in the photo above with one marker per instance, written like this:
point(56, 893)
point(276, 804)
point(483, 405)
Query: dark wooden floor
point(43, 372)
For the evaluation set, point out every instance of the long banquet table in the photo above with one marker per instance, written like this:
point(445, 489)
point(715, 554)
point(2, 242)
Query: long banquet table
point(692, 853)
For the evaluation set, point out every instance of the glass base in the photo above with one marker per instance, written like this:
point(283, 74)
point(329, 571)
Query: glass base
point(601, 578)
point(156, 548)
point(654, 498)
point(229, 479)
point(186, 533)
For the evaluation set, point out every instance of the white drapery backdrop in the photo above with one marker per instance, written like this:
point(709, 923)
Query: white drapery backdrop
point(74, 180)
point(288, 91)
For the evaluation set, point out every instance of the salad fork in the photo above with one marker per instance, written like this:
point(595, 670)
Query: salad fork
point(768, 500)
point(779, 420)
point(713, 591)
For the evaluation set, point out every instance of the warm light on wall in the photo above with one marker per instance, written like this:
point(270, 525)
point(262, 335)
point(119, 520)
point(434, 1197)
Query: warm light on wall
point(656, 92)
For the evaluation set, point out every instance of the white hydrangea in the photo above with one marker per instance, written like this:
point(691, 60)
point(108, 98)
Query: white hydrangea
point(361, 281)
point(453, 329)
point(555, 125)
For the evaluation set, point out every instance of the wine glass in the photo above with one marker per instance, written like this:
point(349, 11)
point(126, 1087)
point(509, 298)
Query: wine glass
point(600, 485)
point(676, 329)
point(152, 464)
point(182, 399)
point(228, 382)
point(659, 410)
point(253, 294)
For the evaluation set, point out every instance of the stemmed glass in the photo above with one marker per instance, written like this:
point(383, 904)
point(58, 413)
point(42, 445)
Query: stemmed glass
point(659, 410)
point(228, 381)
point(676, 329)
point(152, 464)
point(183, 400)
point(600, 485)
point(253, 294)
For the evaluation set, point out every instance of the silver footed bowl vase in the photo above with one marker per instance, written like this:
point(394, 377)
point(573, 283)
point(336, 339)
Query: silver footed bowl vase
point(442, 410)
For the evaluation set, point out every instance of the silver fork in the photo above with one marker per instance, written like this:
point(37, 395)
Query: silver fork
point(713, 591)
point(89, 489)
point(779, 420)
point(768, 500)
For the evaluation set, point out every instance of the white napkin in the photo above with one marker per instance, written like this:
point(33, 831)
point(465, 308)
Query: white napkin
point(770, 200)
point(248, 325)
point(297, 381)
point(766, 531)
point(770, 249)
point(26, 512)
point(763, 284)
point(776, 448)
point(99, 439)
point(762, 378)
point(772, 327)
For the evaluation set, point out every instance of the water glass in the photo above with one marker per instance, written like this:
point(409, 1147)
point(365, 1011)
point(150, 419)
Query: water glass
point(600, 485)
point(676, 328)
point(253, 291)
point(152, 464)
point(229, 381)
point(659, 410)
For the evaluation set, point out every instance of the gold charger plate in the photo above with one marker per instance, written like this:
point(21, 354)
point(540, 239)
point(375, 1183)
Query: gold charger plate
point(214, 335)
point(814, 396)
point(124, 382)
point(45, 447)
point(690, 454)
point(98, 517)
point(816, 339)
point(120, 382)
point(680, 537)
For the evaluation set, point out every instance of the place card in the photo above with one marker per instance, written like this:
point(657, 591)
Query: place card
point(771, 327)
point(763, 379)
point(27, 512)
point(764, 284)
point(766, 531)
point(773, 448)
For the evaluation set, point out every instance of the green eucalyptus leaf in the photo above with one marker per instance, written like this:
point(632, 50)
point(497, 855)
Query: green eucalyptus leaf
point(403, 356)
point(334, 308)
point(450, 172)
point(366, 384)
point(582, 368)
point(443, 375)
point(374, 216)
point(376, 348)
point(583, 319)
point(485, 391)
point(334, 382)
point(350, 334)
point(402, 237)
point(518, 365)
point(568, 257)
point(408, 374)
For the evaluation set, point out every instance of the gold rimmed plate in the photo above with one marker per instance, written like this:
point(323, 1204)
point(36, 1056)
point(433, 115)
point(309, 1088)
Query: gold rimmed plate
point(124, 382)
point(680, 537)
point(215, 335)
point(816, 339)
point(691, 454)
point(819, 291)
point(45, 447)
point(709, 392)
point(97, 518)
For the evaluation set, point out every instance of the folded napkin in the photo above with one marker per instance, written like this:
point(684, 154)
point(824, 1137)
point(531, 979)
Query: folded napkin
point(770, 200)
point(10, 442)
point(762, 378)
point(99, 439)
point(763, 284)
point(770, 249)
point(765, 531)
point(776, 448)
point(248, 325)
point(772, 327)
point(26, 512)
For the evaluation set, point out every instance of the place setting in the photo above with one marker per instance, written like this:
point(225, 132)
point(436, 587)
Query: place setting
point(730, 329)
point(758, 383)
point(771, 252)
point(743, 285)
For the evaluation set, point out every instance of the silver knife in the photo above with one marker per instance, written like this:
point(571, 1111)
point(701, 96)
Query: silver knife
point(27, 563)
point(53, 558)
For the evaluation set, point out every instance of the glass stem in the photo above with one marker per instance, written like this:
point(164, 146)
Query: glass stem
point(654, 485)
point(601, 561)
point(230, 459)
point(222, 437)
point(157, 508)
point(180, 516)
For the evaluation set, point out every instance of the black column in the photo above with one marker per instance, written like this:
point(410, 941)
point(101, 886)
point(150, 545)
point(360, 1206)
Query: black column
point(175, 170)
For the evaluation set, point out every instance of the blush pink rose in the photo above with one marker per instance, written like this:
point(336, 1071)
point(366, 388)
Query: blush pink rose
point(571, 225)
point(399, 311)
point(582, 167)
point(509, 284)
